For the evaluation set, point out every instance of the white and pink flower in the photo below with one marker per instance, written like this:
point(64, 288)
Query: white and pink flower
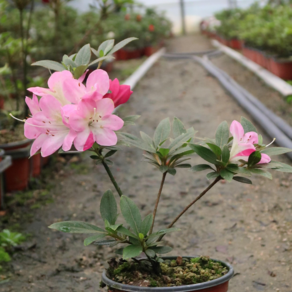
point(72, 113)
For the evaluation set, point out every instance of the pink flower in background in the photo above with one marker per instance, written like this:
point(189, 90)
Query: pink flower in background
point(94, 122)
point(243, 144)
point(47, 128)
point(97, 85)
point(119, 93)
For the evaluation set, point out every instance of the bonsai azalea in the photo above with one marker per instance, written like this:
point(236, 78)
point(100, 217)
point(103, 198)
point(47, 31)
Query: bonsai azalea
point(71, 113)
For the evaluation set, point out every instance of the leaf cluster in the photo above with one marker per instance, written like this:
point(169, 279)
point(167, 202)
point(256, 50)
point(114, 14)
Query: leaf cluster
point(165, 152)
point(135, 235)
point(79, 62)
point(217, 153)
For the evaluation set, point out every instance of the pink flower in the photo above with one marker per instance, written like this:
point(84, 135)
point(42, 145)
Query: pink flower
point(55, 84)
point(243, 144)
point(47, 128)
point(119, 93)
point(33, 104)
point(97, 83)
point(94, 122)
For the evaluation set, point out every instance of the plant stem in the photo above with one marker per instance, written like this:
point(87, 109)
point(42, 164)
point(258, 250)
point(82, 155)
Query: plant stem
point(112, 178)
point(157, 201)
point(192, 203)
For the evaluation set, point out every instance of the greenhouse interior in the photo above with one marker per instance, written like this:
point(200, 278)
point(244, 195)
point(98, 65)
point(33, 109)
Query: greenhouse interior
point(145, 145)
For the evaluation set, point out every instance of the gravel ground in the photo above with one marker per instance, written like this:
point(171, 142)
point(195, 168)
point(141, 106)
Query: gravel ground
point(249, 226)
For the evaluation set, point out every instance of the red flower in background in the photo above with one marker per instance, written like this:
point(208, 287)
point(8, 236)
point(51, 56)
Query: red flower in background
point(46, 1)
point(138, 17)
point(127, 17)
point(151, 27)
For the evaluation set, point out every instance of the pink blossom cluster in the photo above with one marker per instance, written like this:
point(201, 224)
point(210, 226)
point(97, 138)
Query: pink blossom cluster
point(70, 112)
point(244, 144)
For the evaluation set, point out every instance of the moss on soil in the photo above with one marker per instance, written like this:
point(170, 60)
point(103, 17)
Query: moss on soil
point(182, 271)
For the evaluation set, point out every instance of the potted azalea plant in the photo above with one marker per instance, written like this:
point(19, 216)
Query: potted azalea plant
point(72, 113)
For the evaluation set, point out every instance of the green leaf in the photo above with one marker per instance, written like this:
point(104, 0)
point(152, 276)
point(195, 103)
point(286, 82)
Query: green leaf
point(91, 239)
point(78, 72)
point(205, 153)
point(126, 231)
point(247, 125)
point(254, 158)
point(243, 180)
point(261, 172)
point(95, 157)
point(130, 120)
point(260, 137)
point(111, 153)
point(68, 61)
point(83, 56)
point(155, 236)
point(180, 140)
point(109, 242)
point(225, 154)
point(131, 214)
point(108, 208)
point(178, 128)
point(212, 175)
point(162, 132)
point(278, 166)
point(161, 249)
point(276, 151)
point(151, 253)
point(232, 167)
point(147, 139)
point(164, 151)
point(146, 224)
point(222, 134)
point(163, 168)
point(172, 171)
point(216, 149)
point(134, 141)
point(132, 251)
point(186, 165)
point(52, 65)
point(76, 227)
point(201, 167)
point(227, 175)
point(100, 59)
point(119, 251)
point(121, 44)
point(106, 46)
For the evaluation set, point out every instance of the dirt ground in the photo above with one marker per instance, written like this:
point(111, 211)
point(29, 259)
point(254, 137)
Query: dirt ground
point(248, 225)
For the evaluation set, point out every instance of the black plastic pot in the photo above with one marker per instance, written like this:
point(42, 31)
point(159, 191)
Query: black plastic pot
point(218, 285)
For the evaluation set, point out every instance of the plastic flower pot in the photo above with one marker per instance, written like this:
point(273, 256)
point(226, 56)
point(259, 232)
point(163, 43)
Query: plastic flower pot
point(128, 54)
point(5, 162)
point(45, 161)
point(17, 175)
point(218, 285)
point(36, 165)
point(150, 50)
point(282, 69)
point(1, 102)
point(235, 44)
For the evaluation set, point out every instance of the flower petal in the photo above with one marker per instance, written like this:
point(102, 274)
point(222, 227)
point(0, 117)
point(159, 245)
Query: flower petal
point(81, 79)
point(73, 90)
point(37, 144)
point(31, 132)
point(51, 107)
point(33, 104)
point(251, 137)
point(68, 141)
point(81, 139)
point(40, 91)
point(105, 107)
point(89, 142)
point(53, 143)
point(265, 159)
point(237, 131)
point(98, 80)
point(105, 137)
point(112, 122)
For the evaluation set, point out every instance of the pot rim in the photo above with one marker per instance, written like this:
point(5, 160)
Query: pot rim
point(2, 152)
point(13, 144)
point(184, 288)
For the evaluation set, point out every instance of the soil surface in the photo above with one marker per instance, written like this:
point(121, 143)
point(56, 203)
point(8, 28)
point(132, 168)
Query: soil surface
point(249, 226)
